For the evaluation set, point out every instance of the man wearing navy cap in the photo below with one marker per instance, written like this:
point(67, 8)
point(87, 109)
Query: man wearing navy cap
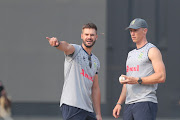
point(144, 70)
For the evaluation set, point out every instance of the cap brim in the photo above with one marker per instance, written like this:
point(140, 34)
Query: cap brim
point(132, 27)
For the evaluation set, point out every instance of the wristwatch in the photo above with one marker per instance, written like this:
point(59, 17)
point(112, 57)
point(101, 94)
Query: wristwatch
point(140, 81)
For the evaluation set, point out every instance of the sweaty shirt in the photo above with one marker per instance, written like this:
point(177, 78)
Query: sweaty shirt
point(138, 64)
point(78, 79)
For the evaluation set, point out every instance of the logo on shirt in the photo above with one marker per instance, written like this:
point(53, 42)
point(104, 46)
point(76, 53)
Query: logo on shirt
point(95, 65)
point(140, 55)
point(132, 68)
point(86, 75)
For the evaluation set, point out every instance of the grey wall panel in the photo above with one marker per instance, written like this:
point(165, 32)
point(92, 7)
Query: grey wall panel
point(172, 97)
point(117, 45)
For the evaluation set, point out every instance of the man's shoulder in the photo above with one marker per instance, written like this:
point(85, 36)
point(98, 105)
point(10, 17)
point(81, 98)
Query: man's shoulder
point(133, 50)
point(76, 45)
point(150, 45)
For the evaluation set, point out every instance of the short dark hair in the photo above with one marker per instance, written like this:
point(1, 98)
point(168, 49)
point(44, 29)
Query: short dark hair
point(89, 25)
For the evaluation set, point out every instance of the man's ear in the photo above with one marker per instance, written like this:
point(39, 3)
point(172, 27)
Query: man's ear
point(96, 37)
point(145, 30)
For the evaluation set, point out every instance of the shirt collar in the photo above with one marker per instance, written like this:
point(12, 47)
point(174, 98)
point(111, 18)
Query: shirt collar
point(142, 46)
point(86, 51)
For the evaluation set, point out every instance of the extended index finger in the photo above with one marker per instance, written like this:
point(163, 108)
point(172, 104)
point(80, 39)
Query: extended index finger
point(48, 38)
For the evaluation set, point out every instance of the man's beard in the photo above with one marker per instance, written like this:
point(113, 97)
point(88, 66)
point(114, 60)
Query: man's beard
point(89, 46)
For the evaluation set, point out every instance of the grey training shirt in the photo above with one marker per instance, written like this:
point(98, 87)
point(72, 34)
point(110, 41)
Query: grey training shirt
point(78, 79)
point(138, 64)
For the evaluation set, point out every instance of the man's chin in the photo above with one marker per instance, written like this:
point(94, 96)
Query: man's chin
point(88, 46)
point(134, 41)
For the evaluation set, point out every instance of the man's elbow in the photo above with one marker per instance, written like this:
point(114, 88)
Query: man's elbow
point(163, 78)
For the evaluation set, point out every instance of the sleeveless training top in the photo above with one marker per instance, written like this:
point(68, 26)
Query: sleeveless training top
point(138, 64)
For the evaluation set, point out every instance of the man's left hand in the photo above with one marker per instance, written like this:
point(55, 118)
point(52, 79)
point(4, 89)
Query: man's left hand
point(98, 117)
point(129, 80)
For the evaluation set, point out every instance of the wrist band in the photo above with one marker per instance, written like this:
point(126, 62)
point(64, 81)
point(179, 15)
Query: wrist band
point(119, 104)
point(58, 44)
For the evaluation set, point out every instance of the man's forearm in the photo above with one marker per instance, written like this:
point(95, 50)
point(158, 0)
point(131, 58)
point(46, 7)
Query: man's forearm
point(61, 45)
point(154, 78)
point(96, 98)
point(66, 47)
point(123, 95)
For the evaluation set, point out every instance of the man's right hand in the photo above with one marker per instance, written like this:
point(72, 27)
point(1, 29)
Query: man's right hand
point(53, 41)
point(116, 111)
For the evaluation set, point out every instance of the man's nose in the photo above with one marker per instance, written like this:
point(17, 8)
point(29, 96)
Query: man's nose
point(132, 33)
point(89, 36)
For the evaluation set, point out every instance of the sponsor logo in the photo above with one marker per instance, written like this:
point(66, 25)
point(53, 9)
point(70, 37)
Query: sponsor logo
point(86, 75)
point(132, 68)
